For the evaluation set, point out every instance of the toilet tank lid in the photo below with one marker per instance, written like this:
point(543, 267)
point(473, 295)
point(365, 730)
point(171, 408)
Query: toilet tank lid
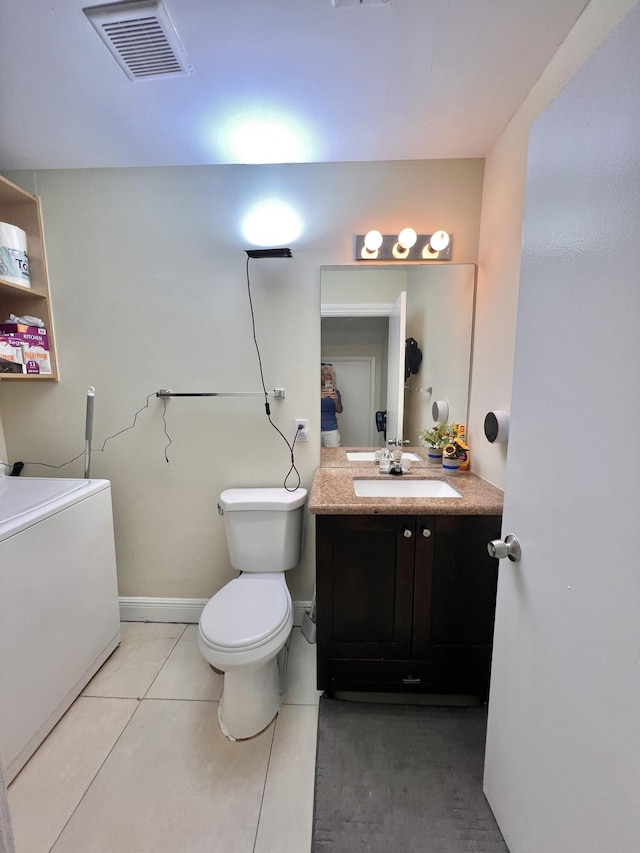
point(233, 500)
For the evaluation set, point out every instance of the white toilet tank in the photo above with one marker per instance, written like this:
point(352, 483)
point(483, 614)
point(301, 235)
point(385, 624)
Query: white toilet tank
point(263, 528)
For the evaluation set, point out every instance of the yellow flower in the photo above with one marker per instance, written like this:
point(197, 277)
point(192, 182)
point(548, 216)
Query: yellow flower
point(450, 450)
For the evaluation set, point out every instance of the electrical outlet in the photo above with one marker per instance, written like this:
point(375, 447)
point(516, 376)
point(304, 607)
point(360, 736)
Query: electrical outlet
point(302, 429)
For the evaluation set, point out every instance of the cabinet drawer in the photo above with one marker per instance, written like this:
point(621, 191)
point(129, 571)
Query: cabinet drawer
point(406, 676)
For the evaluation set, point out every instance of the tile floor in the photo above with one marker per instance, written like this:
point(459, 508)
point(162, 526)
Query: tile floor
point(138, 763)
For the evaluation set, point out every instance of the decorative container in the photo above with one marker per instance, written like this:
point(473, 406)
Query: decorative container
point(434, 455)
point(451, 465)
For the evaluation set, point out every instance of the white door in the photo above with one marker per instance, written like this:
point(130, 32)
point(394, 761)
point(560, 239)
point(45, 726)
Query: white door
point(356, 382)
point(395, 374)
point(562, 769)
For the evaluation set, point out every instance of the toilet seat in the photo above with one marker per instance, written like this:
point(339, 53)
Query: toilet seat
point(245, 614)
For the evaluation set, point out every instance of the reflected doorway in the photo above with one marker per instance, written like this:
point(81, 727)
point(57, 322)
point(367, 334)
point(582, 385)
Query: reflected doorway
point(355, 377)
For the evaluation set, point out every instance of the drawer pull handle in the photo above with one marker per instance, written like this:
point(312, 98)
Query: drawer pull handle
point(426, 532)
point(407, 533)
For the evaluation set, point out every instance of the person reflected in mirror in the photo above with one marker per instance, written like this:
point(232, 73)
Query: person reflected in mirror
point(330, 406)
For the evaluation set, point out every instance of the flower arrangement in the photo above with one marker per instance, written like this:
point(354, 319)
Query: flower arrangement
point(437, 436)
point(448, 437)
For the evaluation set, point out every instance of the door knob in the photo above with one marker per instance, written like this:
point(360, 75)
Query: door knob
point(426, 532)
point(510, 548)
point(407, 533)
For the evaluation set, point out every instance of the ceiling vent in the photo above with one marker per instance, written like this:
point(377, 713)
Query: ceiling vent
point(141, 38)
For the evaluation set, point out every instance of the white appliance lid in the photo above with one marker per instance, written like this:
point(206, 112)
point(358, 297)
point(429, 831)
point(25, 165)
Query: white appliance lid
point(25, 501)
point(262, 498)
point(244, 612)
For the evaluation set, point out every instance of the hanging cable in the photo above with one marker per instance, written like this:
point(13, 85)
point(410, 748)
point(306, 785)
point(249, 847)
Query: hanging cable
point(267, 409)
point(115, 434)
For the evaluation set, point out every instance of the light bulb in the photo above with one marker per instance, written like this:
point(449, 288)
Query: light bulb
point(439, 241)
point(407, 238)
point(399, 252)
point(372, 241)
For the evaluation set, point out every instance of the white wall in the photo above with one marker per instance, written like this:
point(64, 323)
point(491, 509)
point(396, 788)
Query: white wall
point(149, 291)
point(363, 284)
point(501, 234)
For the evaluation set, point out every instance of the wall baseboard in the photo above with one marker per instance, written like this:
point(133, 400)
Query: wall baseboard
point(142, 609)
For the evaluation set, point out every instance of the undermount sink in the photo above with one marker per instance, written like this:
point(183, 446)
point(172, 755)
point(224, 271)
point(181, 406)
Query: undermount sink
point(404, 489)
point(367, 456)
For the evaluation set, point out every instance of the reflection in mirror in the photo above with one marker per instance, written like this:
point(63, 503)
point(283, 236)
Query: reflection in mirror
point(356, 304)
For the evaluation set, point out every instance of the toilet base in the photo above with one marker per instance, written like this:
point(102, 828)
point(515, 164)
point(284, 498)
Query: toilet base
point(251, 698)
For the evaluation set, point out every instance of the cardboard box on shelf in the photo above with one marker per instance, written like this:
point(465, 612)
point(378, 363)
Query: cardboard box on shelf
point(34, 345)
point(11, 360)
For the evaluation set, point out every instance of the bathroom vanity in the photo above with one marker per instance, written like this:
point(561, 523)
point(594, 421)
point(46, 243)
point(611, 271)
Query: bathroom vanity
point(406, 588)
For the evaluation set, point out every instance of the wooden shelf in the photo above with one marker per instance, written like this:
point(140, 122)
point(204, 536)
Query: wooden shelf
point(22, 209)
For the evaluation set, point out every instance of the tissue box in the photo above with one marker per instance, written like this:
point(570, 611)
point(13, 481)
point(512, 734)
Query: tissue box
point(10, 355)
point(34, 344)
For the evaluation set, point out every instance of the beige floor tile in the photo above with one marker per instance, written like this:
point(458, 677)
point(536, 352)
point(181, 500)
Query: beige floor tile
point(44, 794)
point(173, 784)
point(300, 681)
point(287, 809)
point(186, 674)
point(133, 666)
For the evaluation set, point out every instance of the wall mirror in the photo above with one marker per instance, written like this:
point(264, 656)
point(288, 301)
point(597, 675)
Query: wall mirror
point(366, 315)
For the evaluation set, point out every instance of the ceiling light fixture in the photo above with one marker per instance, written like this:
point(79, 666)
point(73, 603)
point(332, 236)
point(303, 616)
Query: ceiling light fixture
point(406, 246)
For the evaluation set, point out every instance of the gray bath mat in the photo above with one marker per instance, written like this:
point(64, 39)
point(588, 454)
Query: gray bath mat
point(401, 778)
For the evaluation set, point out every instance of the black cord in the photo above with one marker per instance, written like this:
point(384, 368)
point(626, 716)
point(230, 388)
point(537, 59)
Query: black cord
point(135, 418)
point(46, 465)
point(104, 443)
point(267, 408)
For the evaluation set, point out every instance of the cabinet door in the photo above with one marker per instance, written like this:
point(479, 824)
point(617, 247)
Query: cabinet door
point(456, 599)
point(365, 586)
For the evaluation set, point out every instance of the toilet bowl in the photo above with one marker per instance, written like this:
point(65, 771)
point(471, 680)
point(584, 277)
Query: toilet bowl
point(243, 630)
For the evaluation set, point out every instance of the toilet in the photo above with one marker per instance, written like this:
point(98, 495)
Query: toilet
point(243, 629)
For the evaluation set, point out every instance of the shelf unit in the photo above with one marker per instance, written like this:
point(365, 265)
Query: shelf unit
point(20, 208)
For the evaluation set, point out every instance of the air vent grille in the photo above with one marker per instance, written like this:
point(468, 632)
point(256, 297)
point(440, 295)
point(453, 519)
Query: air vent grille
point(141, 38)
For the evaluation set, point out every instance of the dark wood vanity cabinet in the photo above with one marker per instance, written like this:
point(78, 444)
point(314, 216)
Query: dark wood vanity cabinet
point(405, 603)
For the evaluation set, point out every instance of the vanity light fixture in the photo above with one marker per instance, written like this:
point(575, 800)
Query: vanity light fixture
point(406, 246)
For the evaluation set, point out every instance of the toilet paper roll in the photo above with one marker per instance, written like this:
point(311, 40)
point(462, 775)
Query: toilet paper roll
point(496, 427)
point(14, 261)
point(440, 411)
